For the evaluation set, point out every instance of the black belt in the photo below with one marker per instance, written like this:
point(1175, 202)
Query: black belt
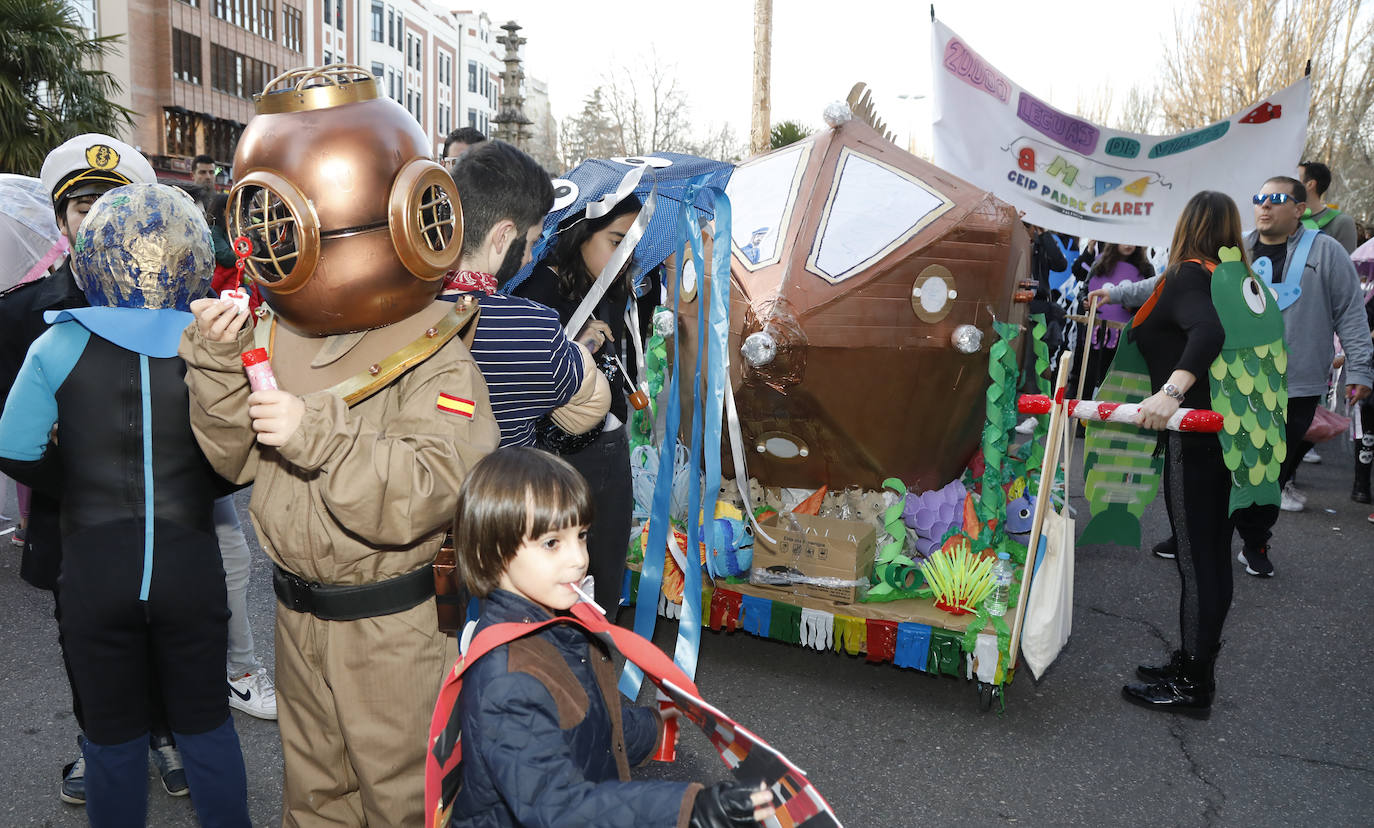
point(330, 602)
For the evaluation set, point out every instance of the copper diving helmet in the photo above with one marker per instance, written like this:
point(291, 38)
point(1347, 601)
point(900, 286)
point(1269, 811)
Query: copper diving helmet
point(351, 224)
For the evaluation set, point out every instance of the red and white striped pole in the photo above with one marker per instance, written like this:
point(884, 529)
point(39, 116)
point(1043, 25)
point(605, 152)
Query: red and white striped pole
point(1197, 420)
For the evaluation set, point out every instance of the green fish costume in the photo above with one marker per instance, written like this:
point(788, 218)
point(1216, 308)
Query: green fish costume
point(1249, 388)
point(1249, 382)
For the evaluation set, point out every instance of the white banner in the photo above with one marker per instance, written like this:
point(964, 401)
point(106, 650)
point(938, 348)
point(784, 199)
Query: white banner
point(1094, 182)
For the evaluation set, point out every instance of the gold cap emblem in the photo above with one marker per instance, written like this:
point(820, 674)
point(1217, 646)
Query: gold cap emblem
point(102, 157)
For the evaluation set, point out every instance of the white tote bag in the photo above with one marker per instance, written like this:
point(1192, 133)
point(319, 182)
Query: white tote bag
point(1049, 610)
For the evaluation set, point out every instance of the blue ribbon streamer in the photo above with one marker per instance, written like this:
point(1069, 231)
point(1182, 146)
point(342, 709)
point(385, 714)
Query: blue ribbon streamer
point(685, 653)
point(718, 366)
point(707, 419)
point(655, 545)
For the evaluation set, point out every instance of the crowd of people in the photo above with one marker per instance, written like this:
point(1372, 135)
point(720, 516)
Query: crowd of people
point(123, 544)
point(352, 498)
point(1179, 334)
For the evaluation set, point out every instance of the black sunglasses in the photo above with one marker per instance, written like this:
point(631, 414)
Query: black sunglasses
point(1273, 198)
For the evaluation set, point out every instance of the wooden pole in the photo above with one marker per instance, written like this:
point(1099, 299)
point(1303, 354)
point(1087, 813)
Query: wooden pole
point(760, 126)
point(1084, 355)
point(1060, 422)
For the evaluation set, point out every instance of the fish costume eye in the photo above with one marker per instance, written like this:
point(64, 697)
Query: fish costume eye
point(1255, 295)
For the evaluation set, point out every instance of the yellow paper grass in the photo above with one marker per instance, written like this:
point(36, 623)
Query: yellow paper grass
point(958, 578)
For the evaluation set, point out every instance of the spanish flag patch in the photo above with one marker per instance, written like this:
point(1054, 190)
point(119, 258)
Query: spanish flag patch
point(456, 405)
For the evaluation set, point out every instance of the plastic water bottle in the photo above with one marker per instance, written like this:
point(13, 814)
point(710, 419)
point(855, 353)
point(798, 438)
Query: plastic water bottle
point(1001, 585)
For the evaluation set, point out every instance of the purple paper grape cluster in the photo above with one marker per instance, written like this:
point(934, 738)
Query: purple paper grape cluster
point(931, 514)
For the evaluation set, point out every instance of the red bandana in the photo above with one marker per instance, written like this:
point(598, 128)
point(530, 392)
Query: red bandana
point(467, 281)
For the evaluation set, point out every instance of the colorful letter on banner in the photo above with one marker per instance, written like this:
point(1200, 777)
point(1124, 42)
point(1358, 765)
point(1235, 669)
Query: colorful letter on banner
point(1089, 180)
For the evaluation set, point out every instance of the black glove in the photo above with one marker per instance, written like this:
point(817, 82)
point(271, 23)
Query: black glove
point(724, 805)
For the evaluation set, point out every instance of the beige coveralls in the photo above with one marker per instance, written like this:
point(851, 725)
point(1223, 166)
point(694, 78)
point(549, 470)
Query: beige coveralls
point(358, 494)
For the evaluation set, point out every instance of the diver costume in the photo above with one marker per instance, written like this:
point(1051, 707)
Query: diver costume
point(141, 578)
point(353, 508)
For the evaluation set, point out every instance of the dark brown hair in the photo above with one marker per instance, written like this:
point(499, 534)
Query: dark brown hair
point(1295, 187)
point(1318, 172)
point(511, 495)
point(1107, 262)
point(1209, 222)
point(574, 280)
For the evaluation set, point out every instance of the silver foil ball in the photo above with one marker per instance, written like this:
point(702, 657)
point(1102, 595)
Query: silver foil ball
point(966, 339)
point(758, 349)
point(836, 113)
point(664, 324)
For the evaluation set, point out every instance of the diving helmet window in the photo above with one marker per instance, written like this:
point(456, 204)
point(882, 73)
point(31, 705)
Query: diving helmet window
point(281, 229)
point(271, 230)
point(425, 219)
point(436, 220)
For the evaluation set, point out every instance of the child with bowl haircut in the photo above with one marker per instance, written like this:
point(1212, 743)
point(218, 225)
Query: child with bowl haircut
point(545, 739)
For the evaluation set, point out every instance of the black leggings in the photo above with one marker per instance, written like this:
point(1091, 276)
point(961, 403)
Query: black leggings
point(1255, 523)
point(606, 466)
point(125, 653)
point(1197, 491)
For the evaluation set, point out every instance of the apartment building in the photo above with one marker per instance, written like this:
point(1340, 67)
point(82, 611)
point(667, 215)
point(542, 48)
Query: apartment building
point(190, 68)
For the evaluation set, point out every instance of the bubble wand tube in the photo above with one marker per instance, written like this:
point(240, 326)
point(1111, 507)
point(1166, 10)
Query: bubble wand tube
point(259, 370)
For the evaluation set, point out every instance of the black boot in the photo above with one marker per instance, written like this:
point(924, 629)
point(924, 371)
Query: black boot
point(1163, 671)
point(1171, 670)
point(1167, 548)
point(1189, 693)
point(1364, 453)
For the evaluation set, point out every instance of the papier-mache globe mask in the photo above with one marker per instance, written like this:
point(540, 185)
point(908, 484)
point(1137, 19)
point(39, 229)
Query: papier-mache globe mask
point(144, 246)
point(351, 224)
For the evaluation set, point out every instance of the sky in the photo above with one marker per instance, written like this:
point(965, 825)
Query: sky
point(1061, 50)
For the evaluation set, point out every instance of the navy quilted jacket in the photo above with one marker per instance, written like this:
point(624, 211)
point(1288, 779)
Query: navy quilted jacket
point(545, 742)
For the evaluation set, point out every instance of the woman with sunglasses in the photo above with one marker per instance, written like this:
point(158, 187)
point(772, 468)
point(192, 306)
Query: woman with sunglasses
point(1179, 335)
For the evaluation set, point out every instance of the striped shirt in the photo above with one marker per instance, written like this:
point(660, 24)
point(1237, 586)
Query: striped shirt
point(530, 366)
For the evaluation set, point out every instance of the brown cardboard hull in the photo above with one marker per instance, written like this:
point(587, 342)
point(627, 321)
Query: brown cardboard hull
point(867, 383)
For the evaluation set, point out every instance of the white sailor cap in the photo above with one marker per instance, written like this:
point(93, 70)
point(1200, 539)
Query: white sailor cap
point(92, 163)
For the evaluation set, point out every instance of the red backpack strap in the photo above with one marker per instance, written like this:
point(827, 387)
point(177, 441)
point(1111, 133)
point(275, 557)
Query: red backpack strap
point(444, 758)
point(1145, 309)
point(445, 754)
point(1211, 266)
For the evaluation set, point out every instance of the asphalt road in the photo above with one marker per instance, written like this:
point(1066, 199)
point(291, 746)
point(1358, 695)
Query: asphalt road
point(1290, 740)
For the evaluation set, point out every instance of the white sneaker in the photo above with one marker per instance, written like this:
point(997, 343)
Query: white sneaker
point(1311, 456)
point(1026, 426)
point(254, 694)
point(1292, 500)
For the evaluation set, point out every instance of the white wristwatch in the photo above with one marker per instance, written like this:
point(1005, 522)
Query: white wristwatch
point(1171, 390)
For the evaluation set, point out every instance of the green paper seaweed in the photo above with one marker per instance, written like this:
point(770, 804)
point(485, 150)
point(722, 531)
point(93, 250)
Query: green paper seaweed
point(895, 576)
point(999, 625)
point(1001, 419)
point(641, 430)
point(1042, 384)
